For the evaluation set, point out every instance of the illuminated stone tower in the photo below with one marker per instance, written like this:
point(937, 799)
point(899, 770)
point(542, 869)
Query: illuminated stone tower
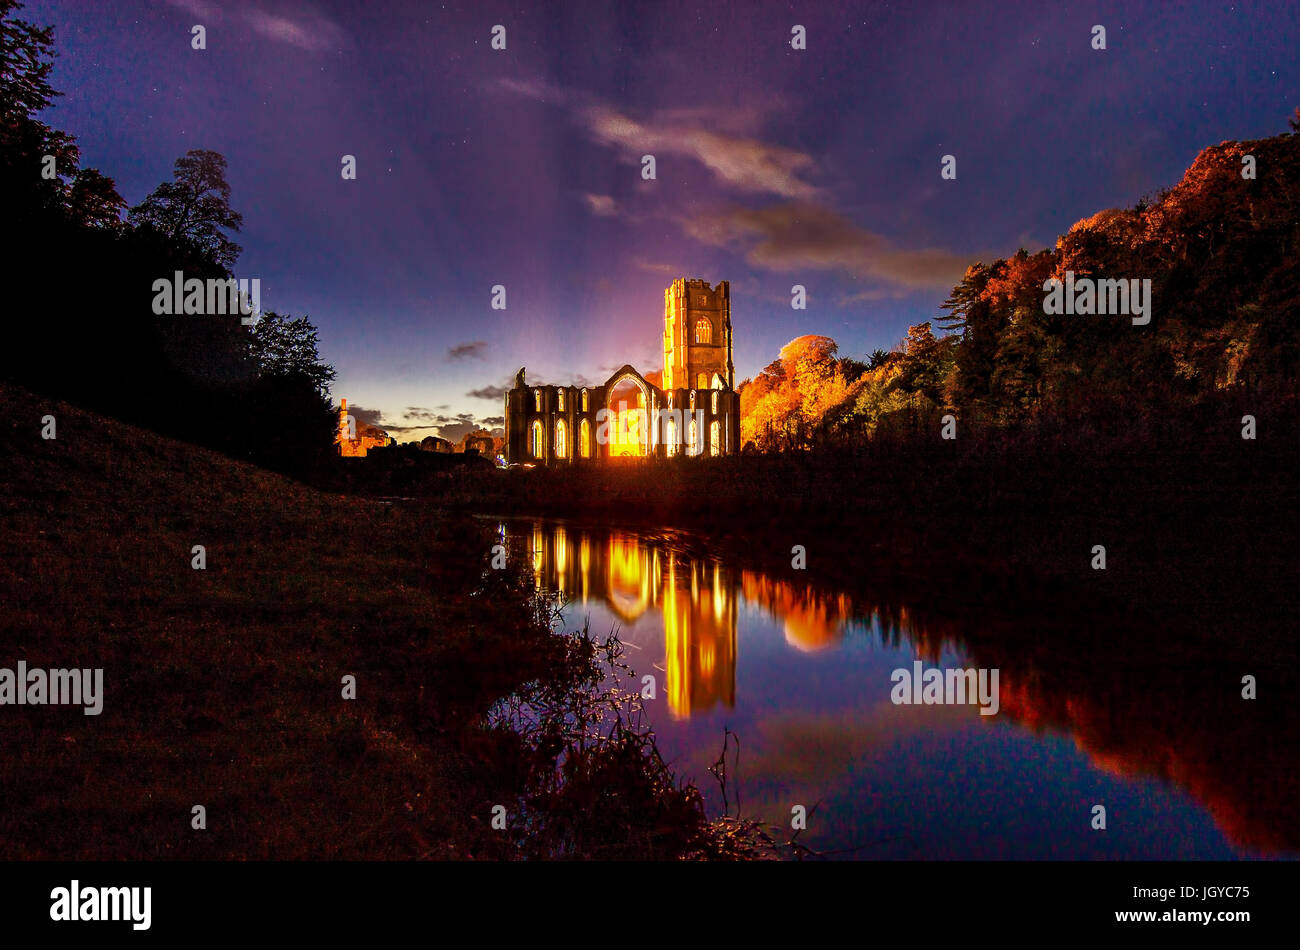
point(697, 335)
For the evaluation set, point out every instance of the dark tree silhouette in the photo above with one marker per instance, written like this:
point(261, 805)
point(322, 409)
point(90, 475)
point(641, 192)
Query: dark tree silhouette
point(27, 189)
point(93, 201)
point(26, 58)
point(287, 347)
point(194, 208)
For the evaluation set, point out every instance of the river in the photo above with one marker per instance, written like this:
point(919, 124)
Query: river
point(806, 678)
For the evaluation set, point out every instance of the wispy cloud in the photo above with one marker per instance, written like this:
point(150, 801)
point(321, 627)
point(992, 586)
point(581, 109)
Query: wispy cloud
point(199, 8)
point(373, 417)
point(602, 205)
point(426, 415)
point(488, 392)
point(656, 266)
point(476, 350)
point(305, 28)
point(798, 236)
point(458, 430)
point(745, 164)
point(294, 23)
point(799, 232)
point(712, 137)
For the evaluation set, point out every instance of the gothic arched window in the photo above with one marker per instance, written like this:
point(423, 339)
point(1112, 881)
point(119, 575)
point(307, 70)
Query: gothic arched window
point(584, 400)
point(715, 439)
point(537, 399)
point(561, 441)
point(703, 330)
point(537, 440)
point(584, 438)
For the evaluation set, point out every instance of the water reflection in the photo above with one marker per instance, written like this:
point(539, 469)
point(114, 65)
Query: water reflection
point(1143, 719)
point(696, 599)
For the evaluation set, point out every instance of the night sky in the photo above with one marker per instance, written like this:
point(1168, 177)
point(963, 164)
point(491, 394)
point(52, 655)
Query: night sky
point(521, 167)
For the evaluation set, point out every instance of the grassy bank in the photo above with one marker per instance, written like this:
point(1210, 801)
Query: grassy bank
point(223, 686)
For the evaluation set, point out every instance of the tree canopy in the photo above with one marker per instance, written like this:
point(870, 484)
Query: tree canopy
point(1220, 251)
point(194, 208)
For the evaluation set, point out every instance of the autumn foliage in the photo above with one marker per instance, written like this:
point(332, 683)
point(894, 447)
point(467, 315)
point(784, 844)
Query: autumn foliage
point(1221, 249)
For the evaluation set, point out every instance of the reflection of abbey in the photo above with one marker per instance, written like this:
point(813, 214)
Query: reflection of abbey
point(696, 412)
point(696, 602)
point(696, 599)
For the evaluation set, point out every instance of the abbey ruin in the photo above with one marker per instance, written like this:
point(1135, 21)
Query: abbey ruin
point(696, 411)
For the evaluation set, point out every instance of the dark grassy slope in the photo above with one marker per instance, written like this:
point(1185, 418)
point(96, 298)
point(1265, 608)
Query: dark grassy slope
point(222, 686)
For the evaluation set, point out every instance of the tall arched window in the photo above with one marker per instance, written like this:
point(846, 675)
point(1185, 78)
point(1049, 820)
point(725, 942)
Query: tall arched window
point(584, 400)
point(560, 397)
point(715, 402)
point(703, 330)
point(538, 444)
point(671, 439)
point(692, 400)
point(537, 399)
point(561, 441)
point(584, 438)
point(693, 438)
point(715, 439)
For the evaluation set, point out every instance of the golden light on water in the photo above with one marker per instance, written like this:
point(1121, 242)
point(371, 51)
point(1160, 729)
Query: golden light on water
point(698, 603)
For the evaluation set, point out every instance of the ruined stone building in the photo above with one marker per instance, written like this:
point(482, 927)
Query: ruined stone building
point(481, 442)
point(696, 411)
point(355, 438)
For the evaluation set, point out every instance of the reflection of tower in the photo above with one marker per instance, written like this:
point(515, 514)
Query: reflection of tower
point(698, 601)
point(699, 607)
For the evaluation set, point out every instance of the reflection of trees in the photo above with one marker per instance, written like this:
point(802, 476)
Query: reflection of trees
point(812, 621)
point(1144, 705)
point(1139, 702)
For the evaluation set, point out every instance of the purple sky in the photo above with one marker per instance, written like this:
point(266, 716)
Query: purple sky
point(521, 167)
